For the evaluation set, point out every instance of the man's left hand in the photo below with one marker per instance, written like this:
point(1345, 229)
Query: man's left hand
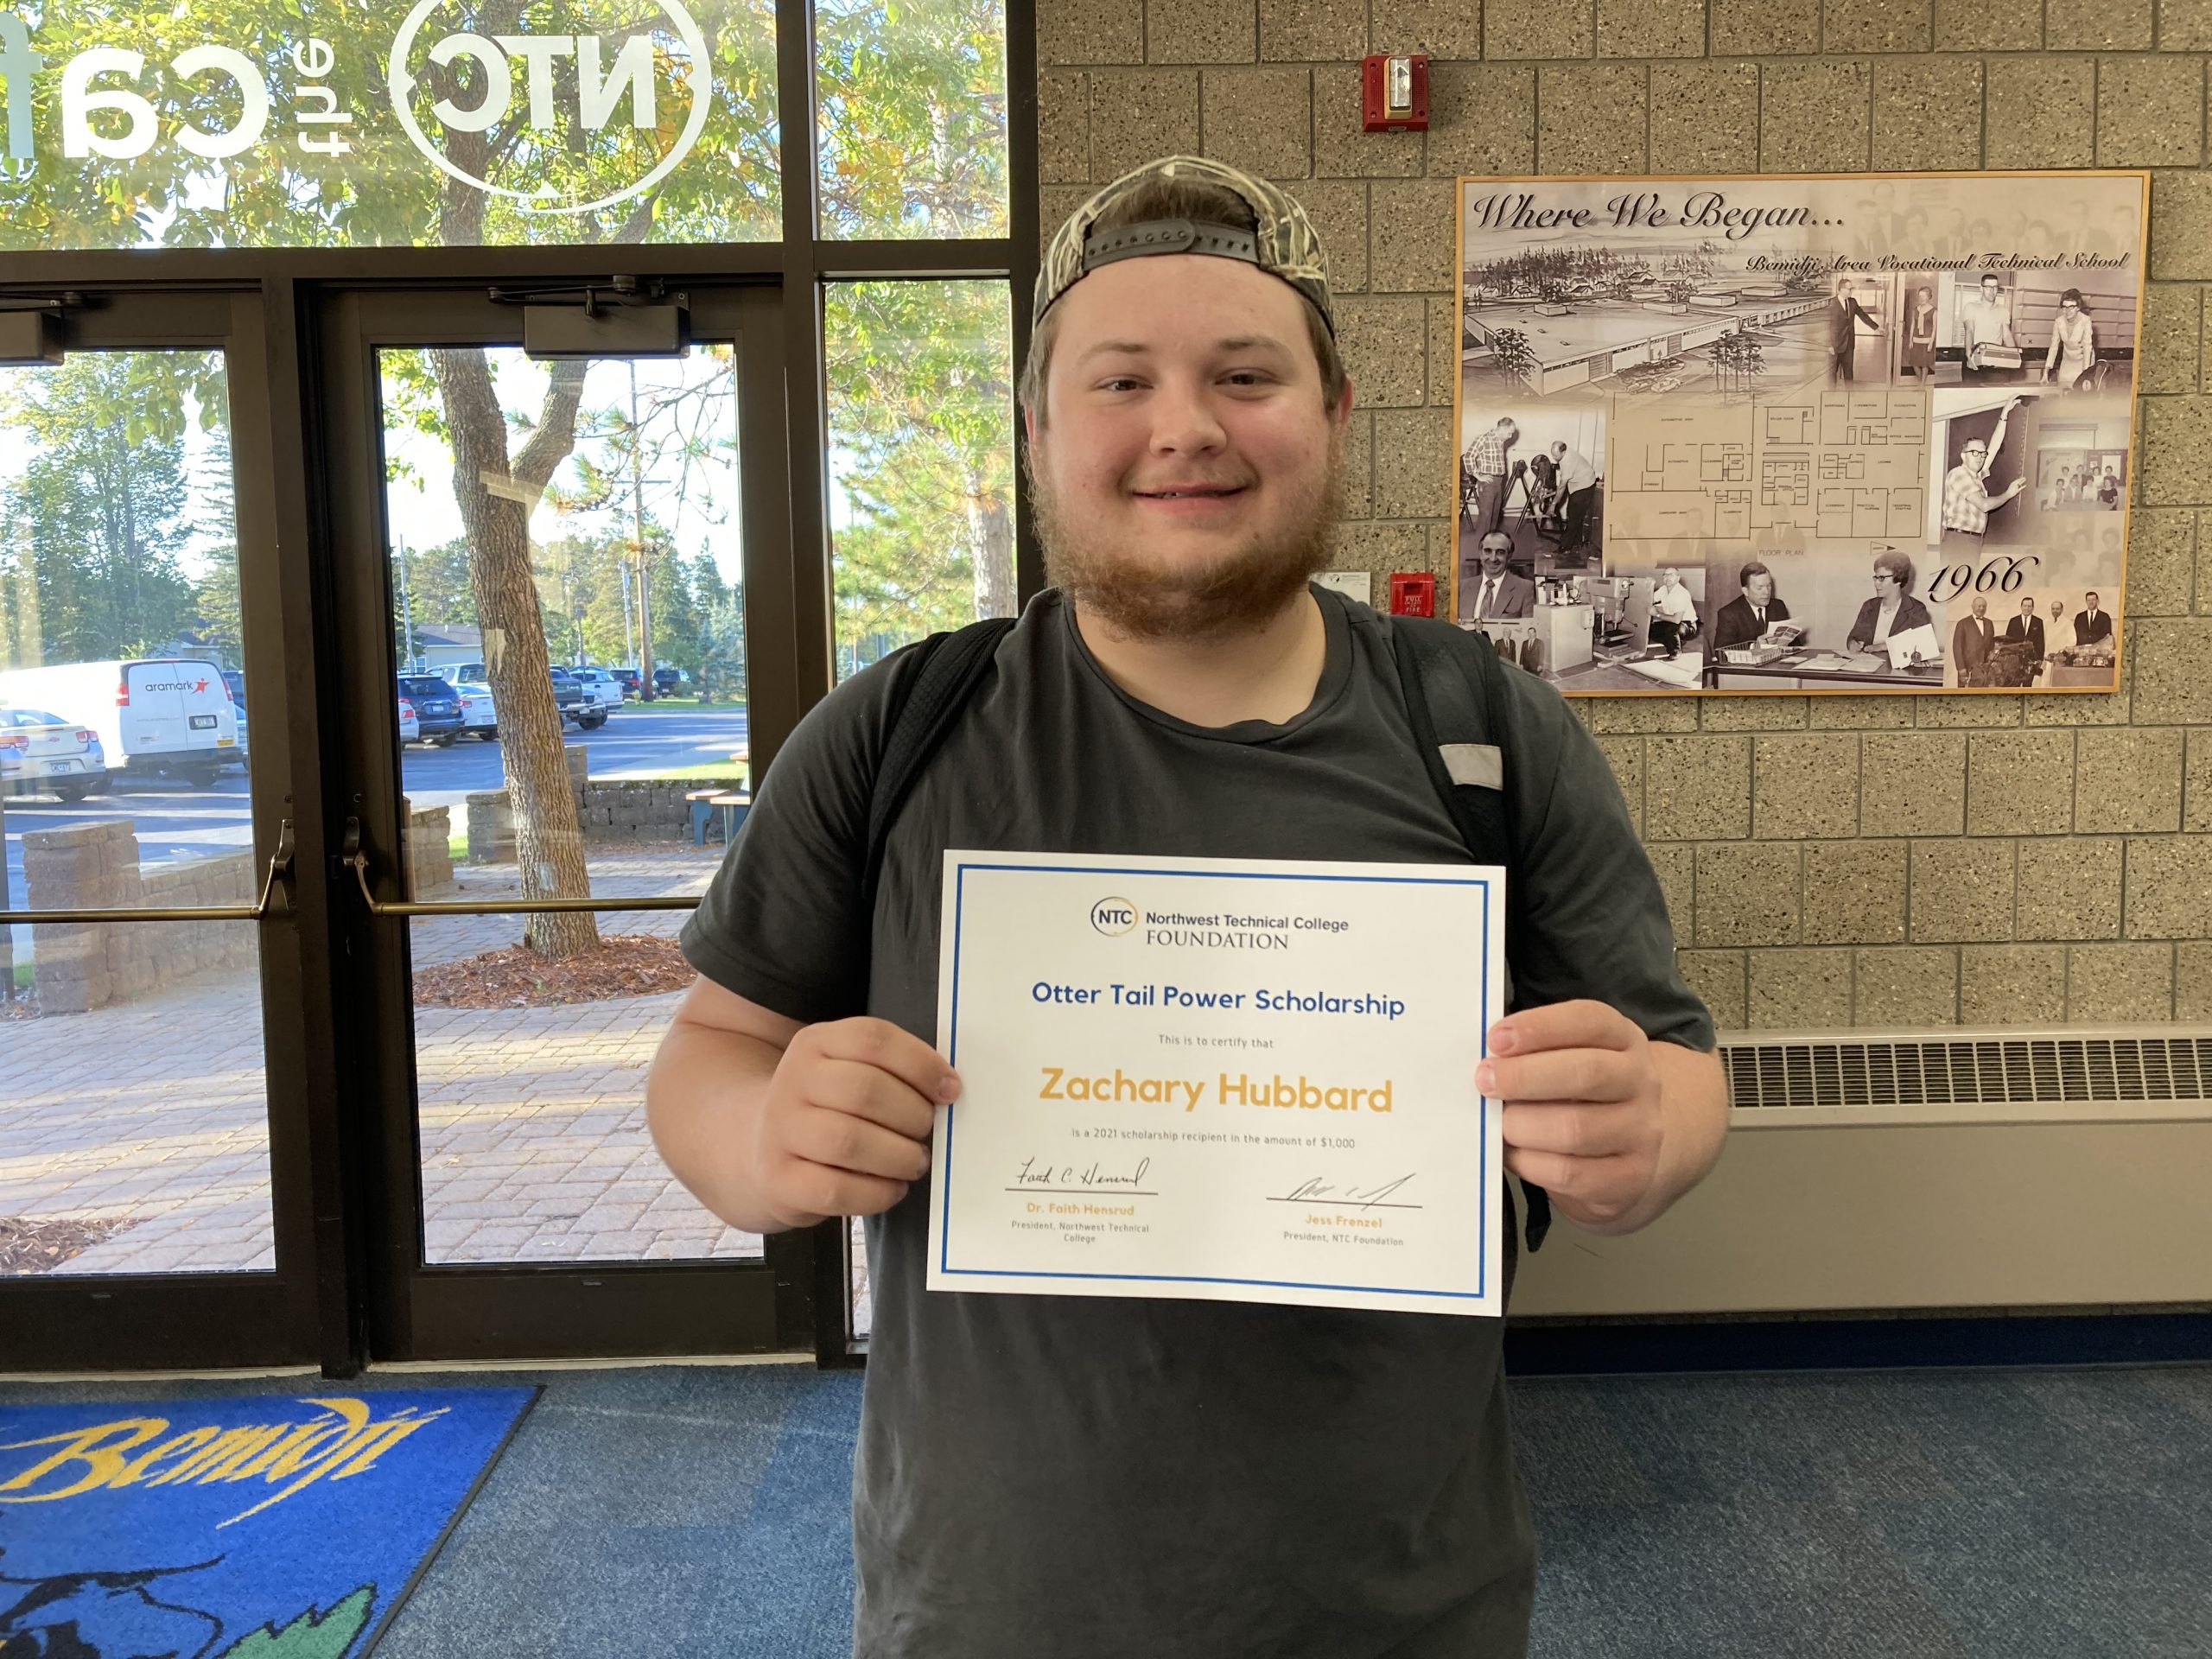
point(1583, 1117)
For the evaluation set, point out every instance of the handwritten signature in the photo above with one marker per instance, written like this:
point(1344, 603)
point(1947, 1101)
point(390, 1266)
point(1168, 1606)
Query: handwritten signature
point(1037, 1173)
point(1351, 1197)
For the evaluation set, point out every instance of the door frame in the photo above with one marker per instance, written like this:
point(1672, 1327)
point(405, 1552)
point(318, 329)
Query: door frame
point(411, 1311)
point(207, 1320)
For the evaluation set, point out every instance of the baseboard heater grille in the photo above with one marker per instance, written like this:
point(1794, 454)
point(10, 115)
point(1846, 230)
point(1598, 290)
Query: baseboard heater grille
point(2020, 1068)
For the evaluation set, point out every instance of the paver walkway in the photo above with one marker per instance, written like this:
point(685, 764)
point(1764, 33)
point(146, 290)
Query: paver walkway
point(532, 1120)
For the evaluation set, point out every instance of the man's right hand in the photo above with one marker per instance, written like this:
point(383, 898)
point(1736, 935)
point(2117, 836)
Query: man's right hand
point(845, 1127)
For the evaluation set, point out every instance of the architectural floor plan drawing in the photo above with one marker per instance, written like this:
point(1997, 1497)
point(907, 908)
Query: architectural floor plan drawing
point(1813, 465)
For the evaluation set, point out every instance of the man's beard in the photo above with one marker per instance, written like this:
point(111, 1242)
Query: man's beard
point(1139, 597)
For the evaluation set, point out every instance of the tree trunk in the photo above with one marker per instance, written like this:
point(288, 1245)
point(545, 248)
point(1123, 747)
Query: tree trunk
point(496, 501)
point(496, 497)
point(994, 541)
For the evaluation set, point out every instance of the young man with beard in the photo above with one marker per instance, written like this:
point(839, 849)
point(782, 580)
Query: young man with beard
point(1096, 1476)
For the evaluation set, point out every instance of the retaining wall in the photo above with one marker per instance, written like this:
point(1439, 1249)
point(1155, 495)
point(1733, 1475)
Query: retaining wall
point(79, 967)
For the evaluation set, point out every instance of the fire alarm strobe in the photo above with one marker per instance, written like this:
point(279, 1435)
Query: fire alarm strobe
point(1394, 92)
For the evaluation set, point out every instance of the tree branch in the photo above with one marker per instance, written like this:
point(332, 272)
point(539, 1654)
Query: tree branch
point(556, 436)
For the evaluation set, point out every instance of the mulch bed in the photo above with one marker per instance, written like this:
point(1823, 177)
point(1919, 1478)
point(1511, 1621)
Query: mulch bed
point(623, 964)
point(37, 1244)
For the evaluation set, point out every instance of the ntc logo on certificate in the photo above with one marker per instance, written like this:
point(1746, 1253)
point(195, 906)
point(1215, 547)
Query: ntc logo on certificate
point(1223, 1079)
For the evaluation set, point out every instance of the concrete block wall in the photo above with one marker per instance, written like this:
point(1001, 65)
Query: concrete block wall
point(1831, 860)
point(79, 967)
point(626, 810)
point(426, 846)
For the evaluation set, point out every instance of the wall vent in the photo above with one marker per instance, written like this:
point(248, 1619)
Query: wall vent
point(1972, 1077)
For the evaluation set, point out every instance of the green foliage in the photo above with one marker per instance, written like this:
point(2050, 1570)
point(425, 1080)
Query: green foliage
point(912, 106)
point(214, 522)
point(98, 516)
point(308, 1637)
point(912, 130)
point(920, 379)
point(385, 193)
point(719, 671)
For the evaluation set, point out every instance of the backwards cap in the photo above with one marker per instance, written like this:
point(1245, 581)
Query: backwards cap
point(1283, 244)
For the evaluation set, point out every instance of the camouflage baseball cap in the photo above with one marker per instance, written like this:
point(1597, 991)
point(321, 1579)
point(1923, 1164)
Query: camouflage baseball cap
point(1284, 243)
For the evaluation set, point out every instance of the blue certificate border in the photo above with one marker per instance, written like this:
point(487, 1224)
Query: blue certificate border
point(952, 1044)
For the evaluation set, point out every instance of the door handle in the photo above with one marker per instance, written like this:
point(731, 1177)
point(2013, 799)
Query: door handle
point(281, 864)
point(355, 857)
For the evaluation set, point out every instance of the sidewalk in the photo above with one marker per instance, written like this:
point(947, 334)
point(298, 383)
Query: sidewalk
point(533, 1125)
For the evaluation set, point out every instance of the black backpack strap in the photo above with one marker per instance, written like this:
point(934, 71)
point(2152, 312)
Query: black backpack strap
point(1454, 689)
point(932, 692)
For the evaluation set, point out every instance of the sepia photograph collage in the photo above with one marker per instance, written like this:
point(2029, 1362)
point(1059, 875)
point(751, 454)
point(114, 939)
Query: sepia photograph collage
point(1867, 434)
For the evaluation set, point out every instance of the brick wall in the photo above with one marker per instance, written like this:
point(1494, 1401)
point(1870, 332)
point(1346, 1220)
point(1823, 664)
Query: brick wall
point(426, 849)
point(1829, 861)
point(628, 810)
point(78, 968)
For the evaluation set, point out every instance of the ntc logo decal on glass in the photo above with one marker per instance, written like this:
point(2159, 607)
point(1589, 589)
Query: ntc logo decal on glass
point(1113, 917)
point(595, 114)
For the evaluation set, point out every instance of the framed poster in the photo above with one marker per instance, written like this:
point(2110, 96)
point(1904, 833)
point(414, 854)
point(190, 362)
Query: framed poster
point(1868, 433)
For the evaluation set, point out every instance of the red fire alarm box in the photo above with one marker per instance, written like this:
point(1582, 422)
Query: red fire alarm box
point(1394, 92)
point(1413, 593)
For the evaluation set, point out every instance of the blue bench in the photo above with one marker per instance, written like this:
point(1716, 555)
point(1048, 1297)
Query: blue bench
point(709, 804)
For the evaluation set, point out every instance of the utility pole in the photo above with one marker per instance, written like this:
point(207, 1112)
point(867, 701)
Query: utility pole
point(629, 640)
point(637, 543)
point(406, 612)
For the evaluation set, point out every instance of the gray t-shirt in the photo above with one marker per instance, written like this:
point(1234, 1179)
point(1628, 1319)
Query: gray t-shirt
point(1080, 1476)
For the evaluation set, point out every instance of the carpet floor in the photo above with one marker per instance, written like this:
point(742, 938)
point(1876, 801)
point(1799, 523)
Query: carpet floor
point(1952, 1515)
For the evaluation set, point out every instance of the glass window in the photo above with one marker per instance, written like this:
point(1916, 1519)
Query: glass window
point(921, 460)
point(134, 1119)
point(911, 118)
point(530, 1080)
point(312, 123)
point(578, 522)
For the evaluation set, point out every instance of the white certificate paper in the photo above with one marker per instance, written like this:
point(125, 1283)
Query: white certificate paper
point(1220, 1079)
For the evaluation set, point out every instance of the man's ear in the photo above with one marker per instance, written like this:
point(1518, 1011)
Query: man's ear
point(1029, 425)
point(1341, 415)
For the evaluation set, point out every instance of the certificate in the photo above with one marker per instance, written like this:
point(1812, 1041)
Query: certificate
point(1232, 1080)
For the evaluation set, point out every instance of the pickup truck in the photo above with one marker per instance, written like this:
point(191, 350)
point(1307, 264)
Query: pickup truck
point(569, 697)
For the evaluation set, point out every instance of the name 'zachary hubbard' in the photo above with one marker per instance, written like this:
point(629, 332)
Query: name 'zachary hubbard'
point(1237, 1088)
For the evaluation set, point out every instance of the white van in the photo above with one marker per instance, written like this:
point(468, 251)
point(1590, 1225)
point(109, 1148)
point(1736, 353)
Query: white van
point(155, 716)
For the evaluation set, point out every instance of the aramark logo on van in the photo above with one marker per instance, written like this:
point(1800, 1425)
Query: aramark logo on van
point(559, 94)
point(1113, 917)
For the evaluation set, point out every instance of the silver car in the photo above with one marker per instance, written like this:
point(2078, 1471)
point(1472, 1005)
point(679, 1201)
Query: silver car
point(479, 715)
point(54, 755)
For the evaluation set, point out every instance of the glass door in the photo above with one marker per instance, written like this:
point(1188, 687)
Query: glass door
point(556, 582)
point(155, 990)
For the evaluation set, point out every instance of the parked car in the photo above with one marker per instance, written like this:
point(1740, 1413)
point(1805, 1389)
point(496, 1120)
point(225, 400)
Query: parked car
point(54, 755)
point(168, 717)
point(479, 715)
point(601, 686)
point(628, 678)
point(570, 698)
point(667, 678)
point(410, 729)
point(437, 707)
point(235, 678)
